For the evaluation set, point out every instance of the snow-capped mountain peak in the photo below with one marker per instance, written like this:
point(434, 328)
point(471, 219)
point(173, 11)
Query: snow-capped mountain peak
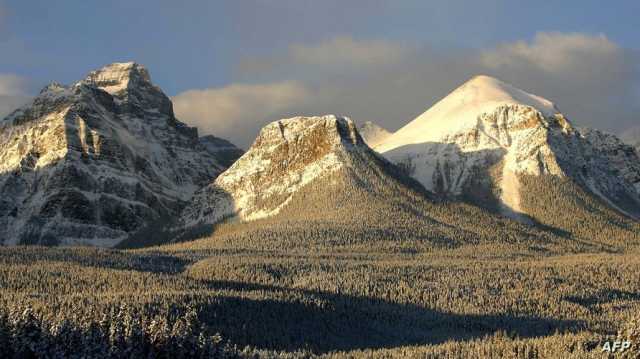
point(287, 155)
point(479, 141)
point(98, 161)
point(117, 77)
point(130, 85)
point(459, 110)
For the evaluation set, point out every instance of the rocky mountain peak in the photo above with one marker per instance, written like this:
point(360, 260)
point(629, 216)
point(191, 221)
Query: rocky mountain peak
point(480, 140)
point(460, 111)
point(319, 131)
point(53, 87)
point(117, 77)
point(295, 145)
point(287, 155)
point(130, 85)
point(483, 89)
point(100, 161)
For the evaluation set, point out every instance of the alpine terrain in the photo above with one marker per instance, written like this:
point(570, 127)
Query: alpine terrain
point(314, 177)
point(311, 243)
point(287, 156)
point(499, 147)
point(96, 162)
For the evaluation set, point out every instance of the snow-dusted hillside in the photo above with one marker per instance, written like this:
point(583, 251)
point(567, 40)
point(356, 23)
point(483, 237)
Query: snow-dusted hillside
point(95, 162)
point(372, 134)
point(478, 141)
point(287, 155)
point(307, 167)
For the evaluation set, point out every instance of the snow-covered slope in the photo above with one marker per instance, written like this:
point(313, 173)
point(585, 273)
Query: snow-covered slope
point(373, 134)
point(288, 156)
point(95, 162)
point(478, 142)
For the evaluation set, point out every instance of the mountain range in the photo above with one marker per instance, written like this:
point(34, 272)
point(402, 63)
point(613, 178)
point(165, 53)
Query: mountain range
point(105, 162)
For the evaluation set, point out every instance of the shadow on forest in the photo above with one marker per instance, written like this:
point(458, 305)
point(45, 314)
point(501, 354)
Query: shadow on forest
point(281, 318)
point(294, 319)
point(473, 176)
point(603, 297)
point(95, 257)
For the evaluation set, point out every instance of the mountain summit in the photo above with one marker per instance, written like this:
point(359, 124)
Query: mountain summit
point(286, 156)
point(487, 142)
point(99, 161)
point(459, 111)
point(130, 85)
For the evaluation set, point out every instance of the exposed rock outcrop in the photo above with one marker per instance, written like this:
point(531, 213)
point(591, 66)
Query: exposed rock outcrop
point(98, 161)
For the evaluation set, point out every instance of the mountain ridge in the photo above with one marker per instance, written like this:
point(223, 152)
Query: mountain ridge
point(476, 142)
point(96, 161)
point(286, 155)
point(315, 178)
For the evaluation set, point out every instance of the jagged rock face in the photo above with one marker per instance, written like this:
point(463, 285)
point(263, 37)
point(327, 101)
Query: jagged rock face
point(373, 134)
point(477, 142)
point(287, 155)
point(623, 158)
point(96, 162)
point(130, 85)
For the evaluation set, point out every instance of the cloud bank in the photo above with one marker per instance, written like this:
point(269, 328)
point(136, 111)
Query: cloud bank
point(11, 85)
point(12, 93)
point(589, 77)
point(238, 111)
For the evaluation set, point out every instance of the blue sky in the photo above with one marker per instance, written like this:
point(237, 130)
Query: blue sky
point(243, 53)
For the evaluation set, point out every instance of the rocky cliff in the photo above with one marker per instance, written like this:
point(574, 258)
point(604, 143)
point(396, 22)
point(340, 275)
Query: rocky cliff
point(99, 161)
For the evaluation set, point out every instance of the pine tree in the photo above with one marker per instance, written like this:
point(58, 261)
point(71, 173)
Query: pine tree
point(5, 336)
point(27, 334)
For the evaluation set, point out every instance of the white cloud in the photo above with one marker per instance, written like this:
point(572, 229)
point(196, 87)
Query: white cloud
point(12, 93)
point(12, 85)
point(554, 52)
point(9, 103)
point(589, 77)
point(238, 111)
